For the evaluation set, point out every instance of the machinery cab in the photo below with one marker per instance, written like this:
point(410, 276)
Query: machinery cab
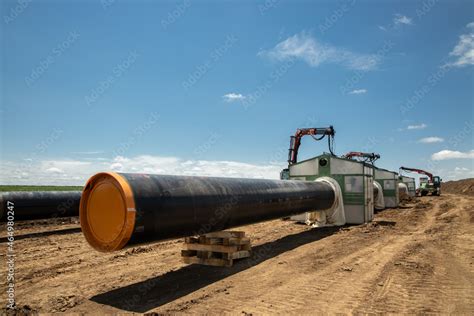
point(430, 184)
point(436, 185)
point(424, 181)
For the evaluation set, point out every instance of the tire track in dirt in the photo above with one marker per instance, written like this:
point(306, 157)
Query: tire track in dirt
point(388, 273)
point(326, 282)
point(414, 259)
point(425, 277)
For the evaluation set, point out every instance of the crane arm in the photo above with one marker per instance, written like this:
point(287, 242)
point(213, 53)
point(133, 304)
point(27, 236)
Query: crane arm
point(420, 171)
point(295, 141)
point(367, 156)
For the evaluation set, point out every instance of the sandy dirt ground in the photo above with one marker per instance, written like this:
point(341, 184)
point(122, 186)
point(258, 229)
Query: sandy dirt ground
point(414, 259)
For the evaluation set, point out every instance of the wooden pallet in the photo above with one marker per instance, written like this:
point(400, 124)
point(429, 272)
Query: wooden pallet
point(216, 249)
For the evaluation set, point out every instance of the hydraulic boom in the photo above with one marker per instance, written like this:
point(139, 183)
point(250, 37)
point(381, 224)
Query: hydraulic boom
point(295, 141)
point(367, 157)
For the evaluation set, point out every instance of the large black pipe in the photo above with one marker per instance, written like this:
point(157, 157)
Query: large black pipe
point(121, 209)
point(39, 204)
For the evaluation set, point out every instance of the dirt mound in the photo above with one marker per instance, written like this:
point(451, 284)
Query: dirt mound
point(464, 186)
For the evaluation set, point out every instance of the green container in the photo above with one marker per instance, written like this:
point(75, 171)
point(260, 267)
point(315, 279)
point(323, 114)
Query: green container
point(389, 182)
point(410, 183)
point(355, 179)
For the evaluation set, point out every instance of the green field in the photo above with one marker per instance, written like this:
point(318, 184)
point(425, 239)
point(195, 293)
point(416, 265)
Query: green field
point(4, 188)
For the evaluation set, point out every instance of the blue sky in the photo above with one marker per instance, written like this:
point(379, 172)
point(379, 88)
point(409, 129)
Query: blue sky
point(217, 87)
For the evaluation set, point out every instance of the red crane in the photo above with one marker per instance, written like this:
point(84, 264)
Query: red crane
point(295, 141)
point(433, 186)
point(371, 157)
point(426, 173)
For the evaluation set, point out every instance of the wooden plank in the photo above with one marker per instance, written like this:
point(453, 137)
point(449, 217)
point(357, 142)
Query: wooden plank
point(188, 253)
point(236, 255)
point(209, 262)
point(226, 234)
point(215, 241)
point(236, 241)
point(214, 248)
point(191, 240)
point(204, 254)
point(244, 247)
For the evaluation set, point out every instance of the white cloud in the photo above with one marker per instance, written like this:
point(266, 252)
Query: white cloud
point(402, 19)
point(358, 91)
point(383, 28)
point(231, 97)
point(88, 152)
point(68, 172)
point(464, 49)
point(452, 154)
point(429, 140)
point(116, 166)
point(305, 47)
point(454, 174)
point(54, 170)
point(419, 126)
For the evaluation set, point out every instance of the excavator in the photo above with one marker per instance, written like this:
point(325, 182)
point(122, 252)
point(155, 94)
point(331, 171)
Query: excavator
point(365, 157)
point(318, 133)
point(429, 184)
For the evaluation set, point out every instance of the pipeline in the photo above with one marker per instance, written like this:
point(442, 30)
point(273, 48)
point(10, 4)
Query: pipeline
point(118, 210)
point(39, 204)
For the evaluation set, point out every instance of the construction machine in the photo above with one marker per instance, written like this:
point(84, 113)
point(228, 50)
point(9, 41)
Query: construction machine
point(295, 141)
point(318, 133)
point(429, 184)
point(364, 157)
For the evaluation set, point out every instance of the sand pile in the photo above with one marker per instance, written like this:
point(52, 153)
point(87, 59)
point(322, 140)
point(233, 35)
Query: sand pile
point(464, 186)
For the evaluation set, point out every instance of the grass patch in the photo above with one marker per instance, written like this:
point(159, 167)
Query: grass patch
point(5, 188)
